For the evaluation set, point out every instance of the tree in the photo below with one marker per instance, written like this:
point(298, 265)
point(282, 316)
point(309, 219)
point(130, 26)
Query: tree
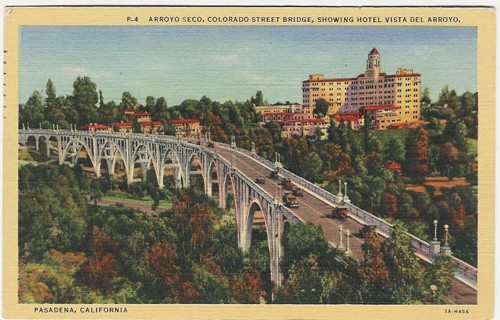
point(449, 98)
point(161, 259)
point(304, 284)
point(51, 212)
point(390, 204)
point(50, 90)
point(259, 99)
point(33, 113)
point(159, 111)
point(426, 100)
point(395, 151)
point(449, 155)
point(213, 287)
point(128, 101)
point(321, 107)
point(300, 241)
point(332, 133)
point(417, 156)
point(108, 113)
point(52, 280)
point(150, 104)
point(247, 288)
point(100, 270)
point(438, 277)
point(405, 283)
point(374, 271)
point(85, 98)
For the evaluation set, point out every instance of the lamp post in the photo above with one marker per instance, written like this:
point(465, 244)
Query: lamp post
point(233, 141)
point(435, 229)
point(445, 234)
point(339, 195)
point(446, 250)
point(433, 291)
point(434, 245)
point(346, 197)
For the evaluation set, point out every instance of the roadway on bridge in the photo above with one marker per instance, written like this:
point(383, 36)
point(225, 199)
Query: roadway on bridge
point(310, 209)
point(315, 210)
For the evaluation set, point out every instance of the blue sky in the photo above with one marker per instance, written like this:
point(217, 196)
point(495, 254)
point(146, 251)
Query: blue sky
point(232, 63)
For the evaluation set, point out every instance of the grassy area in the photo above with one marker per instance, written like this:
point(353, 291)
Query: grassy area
point(385, 135)
point(146, 200)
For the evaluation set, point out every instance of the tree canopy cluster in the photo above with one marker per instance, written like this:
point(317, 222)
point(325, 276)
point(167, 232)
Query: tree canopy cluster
point(72, 251)
point(189, 253)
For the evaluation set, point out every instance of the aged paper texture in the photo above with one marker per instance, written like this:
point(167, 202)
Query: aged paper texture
point(248, 162)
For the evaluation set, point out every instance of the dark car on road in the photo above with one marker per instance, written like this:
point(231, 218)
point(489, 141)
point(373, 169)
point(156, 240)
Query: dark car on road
point(368, 231)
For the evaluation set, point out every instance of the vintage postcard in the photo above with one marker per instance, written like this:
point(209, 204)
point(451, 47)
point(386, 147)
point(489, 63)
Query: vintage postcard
point(248, 163)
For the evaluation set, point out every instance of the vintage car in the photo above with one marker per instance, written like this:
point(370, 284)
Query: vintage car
point(287, 184)
point(290, 200)
point(368, 230)
point(339, 213)
point(274, 175)
point(260, 180)
point(298, 192)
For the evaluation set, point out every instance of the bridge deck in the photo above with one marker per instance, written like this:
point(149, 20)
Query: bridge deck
point(314, 210)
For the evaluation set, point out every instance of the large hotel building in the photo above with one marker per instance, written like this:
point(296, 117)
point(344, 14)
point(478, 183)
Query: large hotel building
point(390, 99)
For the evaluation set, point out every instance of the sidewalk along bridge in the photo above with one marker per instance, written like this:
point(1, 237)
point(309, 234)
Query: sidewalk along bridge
point(232, 171)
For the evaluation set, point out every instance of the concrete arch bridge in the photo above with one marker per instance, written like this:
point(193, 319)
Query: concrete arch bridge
point(227, 170)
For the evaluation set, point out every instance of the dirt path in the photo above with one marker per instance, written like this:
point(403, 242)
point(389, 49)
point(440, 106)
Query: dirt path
point(129, 204)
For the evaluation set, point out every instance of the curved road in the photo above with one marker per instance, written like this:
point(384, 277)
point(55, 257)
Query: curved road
point(315, 210)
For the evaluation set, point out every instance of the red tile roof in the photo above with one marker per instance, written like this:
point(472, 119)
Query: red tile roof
point(374, 51)
point(393, 166)
point(184, 121)
point(348, 116)
point(122, 124)
point(94, 126)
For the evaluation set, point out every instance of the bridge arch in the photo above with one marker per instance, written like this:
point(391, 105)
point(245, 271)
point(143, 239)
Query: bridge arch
point(254, 206)
point(169, 154)
point(73, 148)
point(142, 155)
point(228, 188)
point(212, 176)
point(194, 160)
point(111, 153)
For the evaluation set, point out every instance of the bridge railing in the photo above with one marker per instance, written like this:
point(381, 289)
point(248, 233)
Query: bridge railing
point(422, 247)
point(464, 269)
point(383, 226)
